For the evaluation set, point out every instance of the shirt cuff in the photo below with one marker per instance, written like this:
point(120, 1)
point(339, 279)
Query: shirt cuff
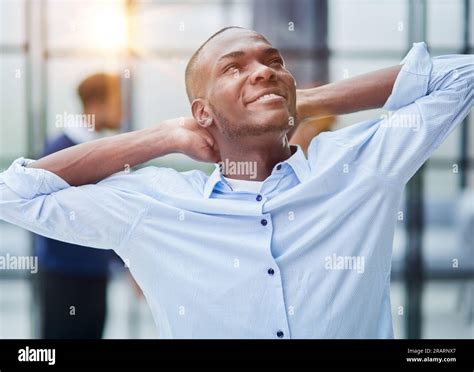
point(413, 79)
point(31, 182)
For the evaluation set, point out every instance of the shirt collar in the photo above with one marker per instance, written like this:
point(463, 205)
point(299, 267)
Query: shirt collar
point(297, 161)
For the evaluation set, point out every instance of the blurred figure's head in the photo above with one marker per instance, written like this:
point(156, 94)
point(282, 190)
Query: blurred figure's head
point(101, 96)
point(238, 86)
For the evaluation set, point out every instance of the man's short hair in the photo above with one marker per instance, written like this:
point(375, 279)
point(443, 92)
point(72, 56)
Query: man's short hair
point(190, 74)
point(98, 87)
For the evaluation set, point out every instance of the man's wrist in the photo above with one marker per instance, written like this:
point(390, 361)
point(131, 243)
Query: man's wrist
point(161, 140)
point(310, 103)
point(302, 105)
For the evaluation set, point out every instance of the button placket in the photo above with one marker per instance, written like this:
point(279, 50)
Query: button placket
point(277, 285)
point(282, 329)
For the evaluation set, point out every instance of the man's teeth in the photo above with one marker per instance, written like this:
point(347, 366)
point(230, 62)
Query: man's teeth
point(267, 96)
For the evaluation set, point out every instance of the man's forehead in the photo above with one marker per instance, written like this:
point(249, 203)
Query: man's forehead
point(230, 41)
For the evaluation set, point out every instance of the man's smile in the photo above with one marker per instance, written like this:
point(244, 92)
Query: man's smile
point(268, 96)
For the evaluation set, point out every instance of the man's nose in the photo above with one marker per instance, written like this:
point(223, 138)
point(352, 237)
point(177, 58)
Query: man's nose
point(262, 73)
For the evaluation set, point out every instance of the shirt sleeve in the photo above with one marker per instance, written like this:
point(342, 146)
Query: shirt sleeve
point(100, 215)
point(430, 98)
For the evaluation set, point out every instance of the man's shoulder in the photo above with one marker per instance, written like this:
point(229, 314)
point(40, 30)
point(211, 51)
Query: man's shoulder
point(184, 183)
point(334, 149)
point(349, 136)
point(194, 175)
point(153, 180)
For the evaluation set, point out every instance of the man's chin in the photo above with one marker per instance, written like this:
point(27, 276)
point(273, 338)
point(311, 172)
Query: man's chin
point(278, 121)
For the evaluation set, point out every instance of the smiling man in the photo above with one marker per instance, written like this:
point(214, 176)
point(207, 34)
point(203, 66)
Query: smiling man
point(301, 251)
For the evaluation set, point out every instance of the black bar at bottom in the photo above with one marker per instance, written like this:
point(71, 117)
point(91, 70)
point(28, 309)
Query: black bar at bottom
point(138, 355)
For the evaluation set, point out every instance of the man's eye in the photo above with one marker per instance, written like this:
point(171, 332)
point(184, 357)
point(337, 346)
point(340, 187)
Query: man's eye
point(231, 67)
point(277, 60)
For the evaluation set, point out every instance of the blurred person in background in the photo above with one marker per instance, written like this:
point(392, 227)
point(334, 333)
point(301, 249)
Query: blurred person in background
point(73, 278)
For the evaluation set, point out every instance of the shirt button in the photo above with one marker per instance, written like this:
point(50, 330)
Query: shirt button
point(259, 197)
point(280, 334)
point(263, 222)
point(270, 271)
point(278, 166)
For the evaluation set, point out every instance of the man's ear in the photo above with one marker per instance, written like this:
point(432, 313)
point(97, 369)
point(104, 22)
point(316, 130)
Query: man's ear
point(200, 113)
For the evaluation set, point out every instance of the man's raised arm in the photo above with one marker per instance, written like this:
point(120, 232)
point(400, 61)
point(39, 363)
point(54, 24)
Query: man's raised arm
point(41, 196)
point(362, 92)
point(93, 161)
point(431, 96)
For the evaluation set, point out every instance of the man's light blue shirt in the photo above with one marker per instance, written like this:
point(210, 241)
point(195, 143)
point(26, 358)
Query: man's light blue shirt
point(308, 257)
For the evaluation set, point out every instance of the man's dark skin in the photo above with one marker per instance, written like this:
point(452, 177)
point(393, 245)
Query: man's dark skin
point(226, 124)
point(246, 128)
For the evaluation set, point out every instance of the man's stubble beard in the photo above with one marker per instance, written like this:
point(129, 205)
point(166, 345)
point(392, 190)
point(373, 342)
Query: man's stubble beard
point(234, 131)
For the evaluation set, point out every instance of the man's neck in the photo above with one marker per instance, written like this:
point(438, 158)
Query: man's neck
point(253, 161)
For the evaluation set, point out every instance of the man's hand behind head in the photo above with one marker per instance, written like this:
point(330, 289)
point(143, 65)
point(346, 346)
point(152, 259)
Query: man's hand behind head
point(192, 139)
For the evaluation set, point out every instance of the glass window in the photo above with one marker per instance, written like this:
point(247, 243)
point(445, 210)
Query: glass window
point(471, 22)
point(445, 23)
point(441, 182)
point(178, 26)
point(446, 310)
point(87, 24)
point(13, 138)
point(470, 147)
point(368, 25)
point(12, 22)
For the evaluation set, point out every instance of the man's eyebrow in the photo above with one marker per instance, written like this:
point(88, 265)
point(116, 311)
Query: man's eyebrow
point(240, 53)
point(231, 55)
point(270, 51)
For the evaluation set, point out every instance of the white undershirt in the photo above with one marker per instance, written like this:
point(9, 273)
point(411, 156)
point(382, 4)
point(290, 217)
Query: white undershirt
point(244, 185)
